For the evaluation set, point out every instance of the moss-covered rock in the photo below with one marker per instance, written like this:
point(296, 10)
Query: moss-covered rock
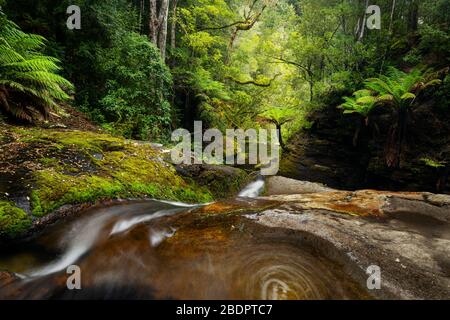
point(13, 220)
point(221, 180)
point(67, 167)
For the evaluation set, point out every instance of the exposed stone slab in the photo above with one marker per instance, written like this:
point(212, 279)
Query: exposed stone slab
point(406, 234)
point(280, 185)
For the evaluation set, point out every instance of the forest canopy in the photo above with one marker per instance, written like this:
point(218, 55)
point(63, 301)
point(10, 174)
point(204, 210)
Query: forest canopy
point(141, 68)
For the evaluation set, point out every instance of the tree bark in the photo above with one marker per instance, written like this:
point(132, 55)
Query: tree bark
point(311, 90)
point(153, 22)
point(391, 22)
point(280, 135)
point(158, 24)
point(162, 36)
point(173, 28)
point(141, 14)
point(391, 25)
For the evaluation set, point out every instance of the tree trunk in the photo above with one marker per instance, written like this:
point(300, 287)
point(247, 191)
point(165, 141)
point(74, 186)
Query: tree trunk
point(442, 181)
point(173, 28)
point(413, 16)
point(355, 139)
point(396, 139)
point(153, 22)
point(391, 25)
point(162, 36)
point(158, 24)
point(311, 90)
point(280, 135)
point(141, 13)
point(391, 22)
point(358, 25)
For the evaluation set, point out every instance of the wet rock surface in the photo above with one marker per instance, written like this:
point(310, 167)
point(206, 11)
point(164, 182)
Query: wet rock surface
point(7, 278)
point(406, 234)
point(298, 246)
point(278, 185)
point(148, 250)
point(302, 240)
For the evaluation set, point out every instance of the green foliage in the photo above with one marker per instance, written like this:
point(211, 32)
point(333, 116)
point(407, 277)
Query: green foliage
point(236, 64)
point(433, 163)
point(137, 94)
point(119, 77)
point(362, 102)
point(279, 116)
point(29, 83)
point(13, 221)
point(436, 41)
point(235, 60)
point(400, 89)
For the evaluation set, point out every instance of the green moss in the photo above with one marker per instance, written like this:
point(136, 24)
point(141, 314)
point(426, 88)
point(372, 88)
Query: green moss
point(56, 189)
point(121, 174)
point(13, 220)
point(49, 162)
point(81, 140)
point(222, 185)
point(87, 140)
point(125, 170)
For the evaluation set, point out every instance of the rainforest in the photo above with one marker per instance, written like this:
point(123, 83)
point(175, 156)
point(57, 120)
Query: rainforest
point(95, 95)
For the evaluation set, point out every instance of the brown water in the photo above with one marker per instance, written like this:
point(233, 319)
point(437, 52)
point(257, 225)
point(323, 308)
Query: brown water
point(151, 249)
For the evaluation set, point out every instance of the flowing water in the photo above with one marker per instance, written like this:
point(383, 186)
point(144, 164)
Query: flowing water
point(155, 250)
point(253, 190)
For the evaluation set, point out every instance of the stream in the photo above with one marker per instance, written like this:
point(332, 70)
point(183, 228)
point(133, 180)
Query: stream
point(165, 250)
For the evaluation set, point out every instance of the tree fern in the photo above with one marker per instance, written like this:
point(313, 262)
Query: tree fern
point(400, 90)
point(29, 82)
point(362, 102)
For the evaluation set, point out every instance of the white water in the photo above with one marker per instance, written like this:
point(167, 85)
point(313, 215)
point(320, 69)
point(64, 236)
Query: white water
point(180, 204)
point(253, 190)
point(85, 235)
point(85, 232)
point(127, 224)
point(158, 236)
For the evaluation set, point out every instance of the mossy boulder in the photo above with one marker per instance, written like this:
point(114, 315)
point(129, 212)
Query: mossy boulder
point(58, 167)
point(13, 220)
point(221, 180)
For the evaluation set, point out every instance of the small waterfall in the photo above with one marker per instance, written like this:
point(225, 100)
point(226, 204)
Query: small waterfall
point(124, 225)
point(254, 189)
point(78, 245)
point(84, 234)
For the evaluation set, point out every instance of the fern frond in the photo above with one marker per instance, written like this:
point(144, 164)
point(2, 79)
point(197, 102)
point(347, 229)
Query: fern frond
point(29, 83)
